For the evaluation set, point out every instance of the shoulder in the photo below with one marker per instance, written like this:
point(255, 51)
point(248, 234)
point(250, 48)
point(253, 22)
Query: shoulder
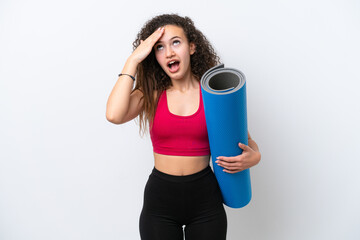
point(158, 93)
point(137, 94)
point(140, 94)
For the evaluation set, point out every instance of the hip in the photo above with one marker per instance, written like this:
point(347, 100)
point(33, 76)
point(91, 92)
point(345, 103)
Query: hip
point(189, 194)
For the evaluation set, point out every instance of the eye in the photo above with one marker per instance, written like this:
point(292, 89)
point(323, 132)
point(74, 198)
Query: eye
point(159, 47)
point(176, 42)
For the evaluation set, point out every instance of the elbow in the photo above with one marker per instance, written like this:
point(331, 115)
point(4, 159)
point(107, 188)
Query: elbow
point(113, 119)
point(258, 157)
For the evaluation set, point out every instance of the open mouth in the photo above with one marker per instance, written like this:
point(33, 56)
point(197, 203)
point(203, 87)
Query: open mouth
point(174, 66)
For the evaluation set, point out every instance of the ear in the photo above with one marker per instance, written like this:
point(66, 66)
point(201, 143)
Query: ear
point(192, 48)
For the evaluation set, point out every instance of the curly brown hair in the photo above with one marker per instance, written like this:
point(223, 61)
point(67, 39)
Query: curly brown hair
point(151, 77)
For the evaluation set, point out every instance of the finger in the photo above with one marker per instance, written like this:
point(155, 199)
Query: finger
point(226, 159)
point(229, 167)
point(244, 147)
point(231, 171)
point(155, 36)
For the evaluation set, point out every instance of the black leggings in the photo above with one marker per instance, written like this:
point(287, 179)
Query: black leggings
point(193, 201)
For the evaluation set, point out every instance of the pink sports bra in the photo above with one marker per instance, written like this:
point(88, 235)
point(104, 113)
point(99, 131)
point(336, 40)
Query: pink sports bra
point(179, 135)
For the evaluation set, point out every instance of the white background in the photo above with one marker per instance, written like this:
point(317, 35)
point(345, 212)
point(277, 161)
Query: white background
point(67, 173)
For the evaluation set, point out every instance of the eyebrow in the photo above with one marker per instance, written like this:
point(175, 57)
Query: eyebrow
point(169, 40)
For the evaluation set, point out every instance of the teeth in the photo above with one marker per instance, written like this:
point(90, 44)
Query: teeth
point(171, 62)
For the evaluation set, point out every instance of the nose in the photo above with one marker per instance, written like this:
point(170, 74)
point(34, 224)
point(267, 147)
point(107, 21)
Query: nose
point(169, 52)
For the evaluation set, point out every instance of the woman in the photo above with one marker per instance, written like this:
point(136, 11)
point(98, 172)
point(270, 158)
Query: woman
point(170, 56)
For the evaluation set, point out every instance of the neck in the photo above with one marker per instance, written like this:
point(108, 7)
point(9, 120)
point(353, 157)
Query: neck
point(189, 81)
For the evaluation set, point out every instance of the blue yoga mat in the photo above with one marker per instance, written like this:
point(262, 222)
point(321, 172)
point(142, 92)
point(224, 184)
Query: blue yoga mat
point(224, 96)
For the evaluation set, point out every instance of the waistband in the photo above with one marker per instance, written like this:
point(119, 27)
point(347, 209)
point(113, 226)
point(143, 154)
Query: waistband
point(185, 178)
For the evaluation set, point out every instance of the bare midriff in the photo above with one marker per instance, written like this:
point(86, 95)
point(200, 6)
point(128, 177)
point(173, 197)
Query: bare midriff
point(180, 165)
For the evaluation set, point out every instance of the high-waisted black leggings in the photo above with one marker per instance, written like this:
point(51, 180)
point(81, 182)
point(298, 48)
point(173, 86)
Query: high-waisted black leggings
point(193, 201)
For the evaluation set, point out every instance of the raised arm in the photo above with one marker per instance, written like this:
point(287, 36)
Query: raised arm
point(122, 105)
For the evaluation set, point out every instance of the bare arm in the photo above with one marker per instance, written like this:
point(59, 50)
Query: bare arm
point(252, 144)
point(122, 105)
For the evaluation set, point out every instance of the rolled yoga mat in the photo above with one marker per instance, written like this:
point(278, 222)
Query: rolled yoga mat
point(224, 96)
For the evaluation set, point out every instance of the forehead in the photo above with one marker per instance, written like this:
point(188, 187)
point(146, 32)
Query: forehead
point(172, 31)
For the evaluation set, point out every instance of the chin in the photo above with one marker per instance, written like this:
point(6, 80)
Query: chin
point(176, 76)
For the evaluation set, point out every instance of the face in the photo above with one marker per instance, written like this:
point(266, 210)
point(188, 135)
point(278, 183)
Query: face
point(173, 52)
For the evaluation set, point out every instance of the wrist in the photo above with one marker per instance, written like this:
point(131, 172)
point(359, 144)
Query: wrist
point(133, 61)
point(130, 67)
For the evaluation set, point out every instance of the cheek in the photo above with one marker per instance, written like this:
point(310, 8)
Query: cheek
point(160, 58)
point(185, 56)
point(157, 56)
